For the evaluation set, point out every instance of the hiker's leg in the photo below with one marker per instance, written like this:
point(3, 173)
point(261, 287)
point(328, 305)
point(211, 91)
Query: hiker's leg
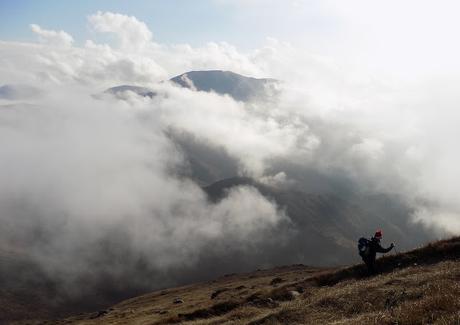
point(370, 263)
point(369, 266)
point(372, 269)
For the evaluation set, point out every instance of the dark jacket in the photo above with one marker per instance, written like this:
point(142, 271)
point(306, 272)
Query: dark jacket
point(375, 247)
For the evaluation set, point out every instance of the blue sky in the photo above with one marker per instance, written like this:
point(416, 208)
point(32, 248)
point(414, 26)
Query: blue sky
point(171, 21)
point(406, 37)
point(245, 24)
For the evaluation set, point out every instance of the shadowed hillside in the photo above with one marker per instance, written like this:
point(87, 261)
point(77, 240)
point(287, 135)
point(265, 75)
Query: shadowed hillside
point(417, 287)
point(327, 224)
point(141, 91)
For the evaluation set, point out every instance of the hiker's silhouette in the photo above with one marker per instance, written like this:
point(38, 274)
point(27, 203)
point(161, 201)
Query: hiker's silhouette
point(368, 250)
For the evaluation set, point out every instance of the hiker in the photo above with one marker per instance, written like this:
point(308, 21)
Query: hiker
point(368, 250)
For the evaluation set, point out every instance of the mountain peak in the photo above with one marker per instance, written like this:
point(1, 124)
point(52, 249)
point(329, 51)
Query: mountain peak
point(239, 87)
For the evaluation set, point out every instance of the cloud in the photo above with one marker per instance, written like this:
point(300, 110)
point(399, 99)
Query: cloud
point(251, 137)
point(132, 34)
point(94, 64)
point(52, 37)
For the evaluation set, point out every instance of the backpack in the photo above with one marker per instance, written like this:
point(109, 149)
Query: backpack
point(363, 246)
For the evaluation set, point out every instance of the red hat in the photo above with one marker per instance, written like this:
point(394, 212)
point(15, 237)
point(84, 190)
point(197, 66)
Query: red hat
point(378, 234)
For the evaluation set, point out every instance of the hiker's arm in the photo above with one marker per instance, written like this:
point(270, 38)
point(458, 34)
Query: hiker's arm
point(380, 249)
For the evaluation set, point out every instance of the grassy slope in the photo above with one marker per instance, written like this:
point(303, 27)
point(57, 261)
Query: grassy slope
point(418, 287)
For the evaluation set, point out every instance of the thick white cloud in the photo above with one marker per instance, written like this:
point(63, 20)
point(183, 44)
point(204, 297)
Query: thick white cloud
point(251, 136)
point(93, 65)
point(79, 168)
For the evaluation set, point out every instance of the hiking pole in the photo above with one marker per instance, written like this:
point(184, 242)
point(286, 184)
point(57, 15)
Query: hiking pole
point(397, 253)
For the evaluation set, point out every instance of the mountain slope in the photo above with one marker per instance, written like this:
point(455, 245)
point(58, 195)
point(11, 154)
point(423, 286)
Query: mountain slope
point(120, 91)
point(239, 87)
point(18, 92)
point(418, 287)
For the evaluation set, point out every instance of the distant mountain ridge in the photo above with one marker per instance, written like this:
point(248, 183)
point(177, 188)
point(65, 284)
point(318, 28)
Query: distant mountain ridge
point(229, 83)
point(141, 91)
point(18, 91)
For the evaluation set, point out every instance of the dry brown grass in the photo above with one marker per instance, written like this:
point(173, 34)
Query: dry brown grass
point(418, 295)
